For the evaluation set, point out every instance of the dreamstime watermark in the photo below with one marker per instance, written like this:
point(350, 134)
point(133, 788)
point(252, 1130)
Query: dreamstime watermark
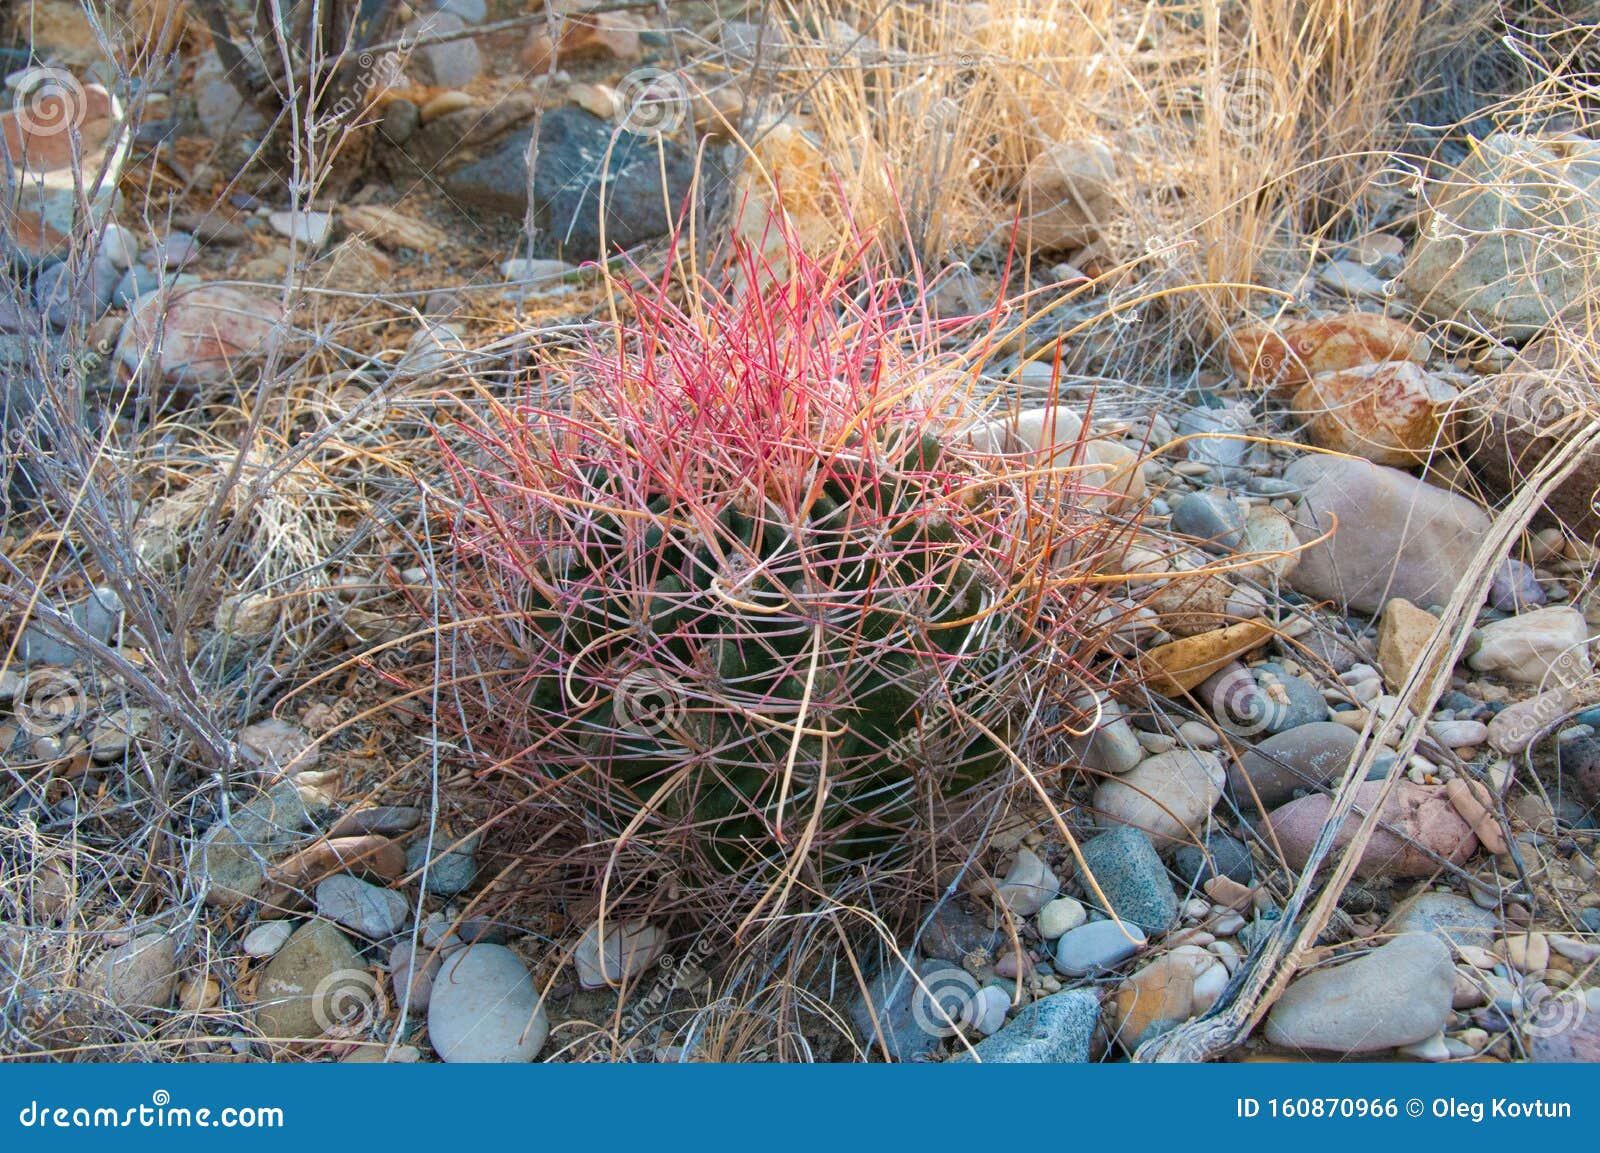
point(346, 1001)
point(650, 702)
point(651, 101)
point(48, 702)
point(1245, 103)
point(159, 1113)
point(1549, 1007)
point(378, 74)
point(1249, 708)
point(945, 1002)
point(48, 101)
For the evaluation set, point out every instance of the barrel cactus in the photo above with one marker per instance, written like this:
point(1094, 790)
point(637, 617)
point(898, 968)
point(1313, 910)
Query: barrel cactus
point(747, 601)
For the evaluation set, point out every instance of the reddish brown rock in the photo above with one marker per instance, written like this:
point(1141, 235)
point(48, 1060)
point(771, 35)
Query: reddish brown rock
point(1388, 413)
point(207, 335)
point(1287, 355)
point(598, 35)
point(1415, 815)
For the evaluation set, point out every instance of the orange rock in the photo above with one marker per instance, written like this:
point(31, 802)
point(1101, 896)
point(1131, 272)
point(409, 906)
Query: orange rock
point(376, 857)
point(1177, 667)
point(1471, 799)
point(1285, 356)
point(1389, 413)
point(601, 34)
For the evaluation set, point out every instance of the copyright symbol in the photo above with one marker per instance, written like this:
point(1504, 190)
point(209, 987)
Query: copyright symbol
point(161, 1097)
point(1414, 1107)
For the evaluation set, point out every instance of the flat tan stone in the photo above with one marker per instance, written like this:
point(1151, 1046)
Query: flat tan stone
point(1403, 632)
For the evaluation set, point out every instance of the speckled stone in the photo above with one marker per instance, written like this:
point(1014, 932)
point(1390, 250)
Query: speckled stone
point(1128, 870)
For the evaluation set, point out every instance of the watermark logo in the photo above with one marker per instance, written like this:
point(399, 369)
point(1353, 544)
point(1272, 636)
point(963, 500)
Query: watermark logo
point(345, 1000)
point(651, 101)
point(944, 1002)
point(1246, 102)
point(1550, 1008)
point(1249, 708)
point(650, 702)
point(48, 101)
point(49, 702)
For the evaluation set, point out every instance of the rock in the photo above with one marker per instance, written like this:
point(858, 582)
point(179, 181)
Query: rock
point(1579, 1041)
point(1515, 587)
point(1527, 953)
point(1270, 535)
point(99, 614)
point(1264, 699)
point(267, 938)
point(139, 976)
point(208, 333)
point(1325, 646)
point(415, 981)
point(629, 949)
point(221, 112)
point(1112, 747)
point(1580, 764)
point(1513, 429)
point(1400, 537)
point(453, 64)
point(1178, 666)
point(233, 857)
point(573, 152)
point(987, 1011)
point(1513, 727)
point(1029, 884)
point(1060, 916)
point(1097, 947)
point(43, 186)
point(1224, 453)
point(1068, 194)
point(952, 934)
point(401, 119)
point(310, 984)
point(1458, 734)
point(1169, 796)
point(1404, 631)
point(1212, 518)
point(1349, 278)
point(1053, 1030)
point(433, 352)
point(1534, 648)
point(450, 872)
point(1190, 603)
point(172, 252)
point(1303, 758)
point(308, 228)
point(484, 1008)
point(910, 1019)
point(1222, 855)
point(1170, 990)
point(1128, 872)
point(1499, 247)
point(1388, 413)
point(377, 821)
point(1454, 918)
point(371, 856)
point(1420, 812)
point(603, 35)
point(1286, 356)
point(136, 284)
point(1398, 994)
point(360, 907)
point(65, 294)
point(279, 747)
